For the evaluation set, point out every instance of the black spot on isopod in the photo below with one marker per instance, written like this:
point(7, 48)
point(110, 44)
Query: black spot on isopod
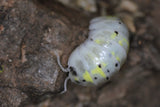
point(108, 70)
point(72, 70)
point(116, 65)
point(84, 80)
point(116, 32)
point(99, 66)
point(95, 78)
point(120, 23)
point(91, 39)
point(107, 78)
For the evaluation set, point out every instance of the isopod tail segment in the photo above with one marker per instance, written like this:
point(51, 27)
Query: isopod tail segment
point(64, 70)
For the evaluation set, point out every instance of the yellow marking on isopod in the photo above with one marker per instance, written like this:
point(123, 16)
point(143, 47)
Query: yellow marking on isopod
point(125, 41)
point(120, 42)
point(76, 78)
point(104, 64)
point(110, 17)
point(98, 41)
point(113, 53)
point(113, 35)
point(99, 71)
point(91, 57)
point(118, 59)
point(87, 77)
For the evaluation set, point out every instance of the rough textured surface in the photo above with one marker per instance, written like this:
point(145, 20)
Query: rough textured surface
point(30, 33)
point(31, 30)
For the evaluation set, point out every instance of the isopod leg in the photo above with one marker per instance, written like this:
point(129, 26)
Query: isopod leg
point(59, 63)
point(65, 85)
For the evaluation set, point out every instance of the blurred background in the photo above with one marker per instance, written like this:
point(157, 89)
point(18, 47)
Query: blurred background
point(22, 82)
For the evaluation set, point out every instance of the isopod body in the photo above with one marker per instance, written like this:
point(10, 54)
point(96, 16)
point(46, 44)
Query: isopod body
point(102, 54)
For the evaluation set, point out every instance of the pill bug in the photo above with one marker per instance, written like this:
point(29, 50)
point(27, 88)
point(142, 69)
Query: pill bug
point(101, 55)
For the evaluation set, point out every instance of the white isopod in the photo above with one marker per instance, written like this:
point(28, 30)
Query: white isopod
point(101, 55)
